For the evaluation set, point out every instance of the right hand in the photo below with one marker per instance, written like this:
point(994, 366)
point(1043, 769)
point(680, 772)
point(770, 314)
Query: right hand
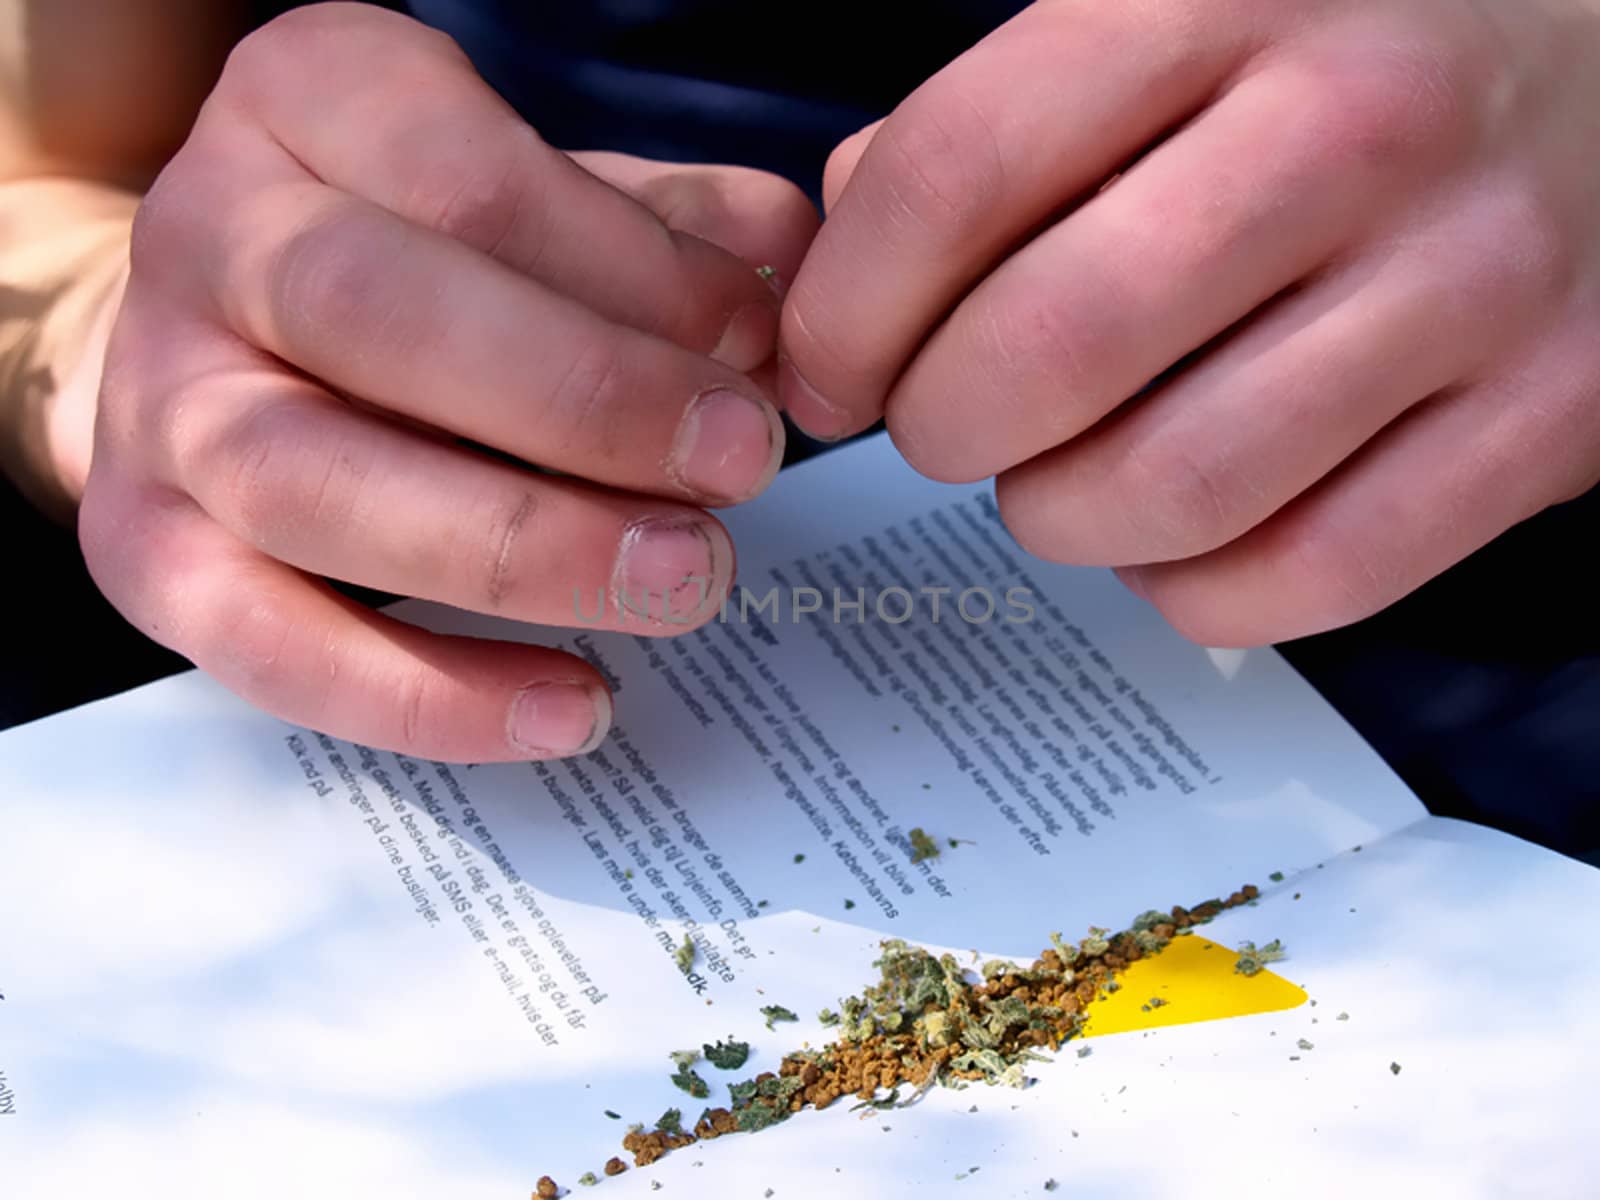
point(361, 258)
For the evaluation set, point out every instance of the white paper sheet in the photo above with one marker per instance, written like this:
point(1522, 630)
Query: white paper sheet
point(241, 959)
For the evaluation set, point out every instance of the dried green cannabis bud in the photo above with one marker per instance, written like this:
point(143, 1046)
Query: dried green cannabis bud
point(1394, 1068)
point(684, 954)
point(588, 1179)
point(922, 846)
point(729, 1055)
point(827, 1017)
point(1253, 958)
point(684, 1058)
point(670, 1121)
point(1276, 877)
point(776, 1012)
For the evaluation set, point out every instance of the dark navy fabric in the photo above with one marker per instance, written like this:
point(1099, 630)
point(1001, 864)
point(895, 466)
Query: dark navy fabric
point(766, 85)
point(1482, 689)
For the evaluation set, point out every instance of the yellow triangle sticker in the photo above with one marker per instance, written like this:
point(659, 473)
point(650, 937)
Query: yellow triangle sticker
point(1191, 980)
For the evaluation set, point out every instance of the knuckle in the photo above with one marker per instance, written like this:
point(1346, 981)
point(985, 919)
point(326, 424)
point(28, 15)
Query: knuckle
point(1178, 501)
point(583, 403)
point(692, 201)
point(941, 165)
point(1528, 240)
point(246, 641)
point(268, 456)
point(334, 272)
point(413, 705)
point(483, 201)
point(1034, 333)
point(1344, 575)
point(1387, 107)
point(307, 37)
point(257, 61)
point(492, 549)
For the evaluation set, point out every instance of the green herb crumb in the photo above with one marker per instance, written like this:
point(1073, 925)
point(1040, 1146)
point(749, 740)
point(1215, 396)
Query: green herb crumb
point(729, 1055)
point(1253, 958)
point(777, 1012)
point(688, 1080)
point(922, 846)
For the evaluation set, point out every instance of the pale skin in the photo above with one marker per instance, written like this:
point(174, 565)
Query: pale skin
point(1367, 230)
point(359, 262)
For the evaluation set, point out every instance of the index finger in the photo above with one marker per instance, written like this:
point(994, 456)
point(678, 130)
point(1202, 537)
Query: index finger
point(970, 165)
point(381, 107)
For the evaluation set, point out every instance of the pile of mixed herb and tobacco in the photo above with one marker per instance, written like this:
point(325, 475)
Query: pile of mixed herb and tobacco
point(930, 1021)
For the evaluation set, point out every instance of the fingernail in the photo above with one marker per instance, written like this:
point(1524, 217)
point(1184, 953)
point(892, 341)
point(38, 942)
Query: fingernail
point(749, 337)
point(559, 718)
point(729, 447)
point(806, 407)
point(670, 571)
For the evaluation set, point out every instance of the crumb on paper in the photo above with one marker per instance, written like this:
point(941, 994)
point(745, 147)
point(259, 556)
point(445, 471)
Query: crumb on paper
point(727, 1056)
point(1253, 958)
point(777, 1012)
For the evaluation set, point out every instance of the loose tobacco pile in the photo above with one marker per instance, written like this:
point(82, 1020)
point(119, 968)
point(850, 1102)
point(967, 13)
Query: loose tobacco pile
point(928, 1020)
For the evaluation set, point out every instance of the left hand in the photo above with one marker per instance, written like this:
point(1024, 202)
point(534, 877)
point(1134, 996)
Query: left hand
point(1354, 243)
